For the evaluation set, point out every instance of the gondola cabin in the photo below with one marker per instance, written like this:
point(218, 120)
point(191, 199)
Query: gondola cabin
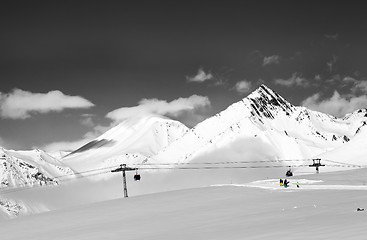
point(289, 173)
point(137, 177)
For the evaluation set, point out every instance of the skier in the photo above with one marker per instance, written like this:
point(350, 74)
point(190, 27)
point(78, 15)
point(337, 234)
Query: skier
point(285, 183)
point(281, 182)
point(298, 184)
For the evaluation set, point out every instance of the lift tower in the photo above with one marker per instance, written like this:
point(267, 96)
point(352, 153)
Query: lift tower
point(317, 164)
point(123, 169)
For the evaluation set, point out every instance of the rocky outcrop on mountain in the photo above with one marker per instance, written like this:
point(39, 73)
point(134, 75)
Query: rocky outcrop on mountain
point(29, 168)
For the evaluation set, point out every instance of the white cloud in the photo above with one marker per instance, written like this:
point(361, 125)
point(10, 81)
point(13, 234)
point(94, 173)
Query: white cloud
point(243, 86)
point(348, 79)
point(275, 59)
point(331, 63)
point(20, 104)
point(294, 80)
point(69, 146)
point(332, 36)
point(161, 107)
point(337, 105)
point(360, 86)
point(318, 77)
point(87, 121)
point(146, 106)
point(201, 76)
point(65, 146)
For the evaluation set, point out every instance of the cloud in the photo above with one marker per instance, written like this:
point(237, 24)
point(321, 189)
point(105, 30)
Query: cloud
point(161, 107)
point(332, 36)
point(337, 105)
point(69, 146)
point(183, 107)
point(201, 76)
point(275, 59)
point(243, 86)
point(330, 64)
point(295, 80)
point(318, 77)
point(348, 79)
point(20, 104)
point(360, 86)
point(65, 146)
point(87, 121)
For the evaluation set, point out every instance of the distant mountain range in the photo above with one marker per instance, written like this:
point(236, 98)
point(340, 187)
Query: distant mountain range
point(263, 122)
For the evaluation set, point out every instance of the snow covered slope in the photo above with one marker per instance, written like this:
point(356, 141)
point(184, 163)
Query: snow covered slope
point(35, 167)
point(314, 211)
point(292, 132)
point(353, 152)
point(132, 141)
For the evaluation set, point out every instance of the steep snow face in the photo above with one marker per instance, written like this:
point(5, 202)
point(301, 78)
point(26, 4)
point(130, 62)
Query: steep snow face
point(357, 117)
point(353, 152)
point(131, 141)
point(20, 168)
point(293, 132)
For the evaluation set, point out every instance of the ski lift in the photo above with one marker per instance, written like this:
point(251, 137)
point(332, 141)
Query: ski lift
point(289, 173)
point(137, 176)
point(317, 164)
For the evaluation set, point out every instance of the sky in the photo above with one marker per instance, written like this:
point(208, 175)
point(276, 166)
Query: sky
point(70, 70)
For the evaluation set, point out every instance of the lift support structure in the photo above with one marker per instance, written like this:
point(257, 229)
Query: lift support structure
point(317, 164)
point(123, 168)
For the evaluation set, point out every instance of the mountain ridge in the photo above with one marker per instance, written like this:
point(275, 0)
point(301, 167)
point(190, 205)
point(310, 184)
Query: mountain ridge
point(264, 110)
point(263, 116)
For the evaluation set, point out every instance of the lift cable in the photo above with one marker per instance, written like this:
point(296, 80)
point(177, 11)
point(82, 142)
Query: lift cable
point(344, 163)
point(217, 163)
point(158, 166)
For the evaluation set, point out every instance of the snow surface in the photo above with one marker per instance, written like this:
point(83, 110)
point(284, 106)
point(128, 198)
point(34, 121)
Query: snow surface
point(218, 212)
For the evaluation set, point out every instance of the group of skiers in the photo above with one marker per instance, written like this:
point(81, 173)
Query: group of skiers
point(285, 183)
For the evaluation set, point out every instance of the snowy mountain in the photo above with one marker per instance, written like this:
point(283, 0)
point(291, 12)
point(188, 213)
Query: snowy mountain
point(132, 141)
point(35, 167)
point(262, 126)
point(265, 117)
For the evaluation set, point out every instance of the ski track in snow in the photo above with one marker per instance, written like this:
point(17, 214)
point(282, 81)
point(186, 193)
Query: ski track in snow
point(305, 184)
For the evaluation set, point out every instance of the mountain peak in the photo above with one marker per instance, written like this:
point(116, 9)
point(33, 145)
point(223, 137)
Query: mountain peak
point(264, 101)
point(265, 92)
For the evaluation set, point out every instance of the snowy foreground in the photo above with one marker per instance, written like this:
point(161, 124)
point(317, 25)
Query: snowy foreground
point(324, 207)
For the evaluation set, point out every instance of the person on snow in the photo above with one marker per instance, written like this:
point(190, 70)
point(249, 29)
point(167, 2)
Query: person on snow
point(285, 183)
point(281, 182)
point(298, 184)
